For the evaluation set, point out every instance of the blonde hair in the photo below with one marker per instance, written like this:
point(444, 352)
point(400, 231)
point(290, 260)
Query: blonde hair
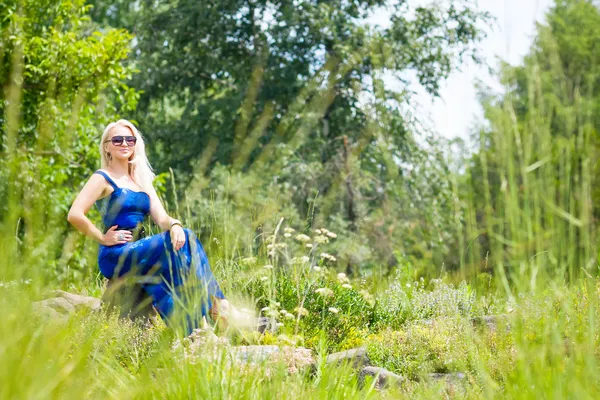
point(139, 167)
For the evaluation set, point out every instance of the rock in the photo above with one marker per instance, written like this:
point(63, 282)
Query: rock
point(79, 301)
point(382, 376)
point(63, 303)
point(256, 354)
point(356, 357)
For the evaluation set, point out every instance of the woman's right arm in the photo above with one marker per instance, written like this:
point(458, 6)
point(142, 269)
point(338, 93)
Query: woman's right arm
point(92, 191)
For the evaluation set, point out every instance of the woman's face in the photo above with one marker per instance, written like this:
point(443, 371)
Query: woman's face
point(124, 150)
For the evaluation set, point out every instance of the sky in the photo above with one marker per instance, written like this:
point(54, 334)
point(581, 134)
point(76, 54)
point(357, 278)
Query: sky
point(456, 111)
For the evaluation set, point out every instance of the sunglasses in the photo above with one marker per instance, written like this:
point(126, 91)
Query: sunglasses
point(118, 140)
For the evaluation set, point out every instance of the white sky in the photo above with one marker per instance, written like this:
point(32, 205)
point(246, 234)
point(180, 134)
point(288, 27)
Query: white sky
point(455, 112)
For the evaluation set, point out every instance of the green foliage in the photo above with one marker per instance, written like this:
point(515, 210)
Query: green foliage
point(64, 80)
point(418, 349)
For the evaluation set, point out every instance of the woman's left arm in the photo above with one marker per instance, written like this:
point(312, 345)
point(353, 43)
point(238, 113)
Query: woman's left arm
point(165, 222)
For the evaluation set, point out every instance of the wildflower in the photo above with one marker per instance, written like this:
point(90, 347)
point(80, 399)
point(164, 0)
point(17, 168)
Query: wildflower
point(309, 245)
point(325, 292)
point(367, 297)
point(265, 309)
point(408, 285)
point(331, 235)
point(302, 238)
point(318, 231)
point(289, 316)
point(317, 269)
point(268, 266)
point(264, 278)
point(327, 256)
point(333, 310)
point(270, 246)
point(287, 235)
point(347, 286)
point(301, 311)
point(282, 311)
point(289, 230)
point(321, 239)
point(279, 324)
point(305, 259)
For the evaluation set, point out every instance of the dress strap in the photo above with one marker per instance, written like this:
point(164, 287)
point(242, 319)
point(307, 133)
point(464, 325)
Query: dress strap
point(108, 179)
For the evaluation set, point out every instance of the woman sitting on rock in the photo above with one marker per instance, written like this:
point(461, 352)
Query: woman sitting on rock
point(171, 266)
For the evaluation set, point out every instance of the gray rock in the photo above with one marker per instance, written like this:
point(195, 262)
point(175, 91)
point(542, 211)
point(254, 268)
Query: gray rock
point(255, 353)
point(382, 376)
point(61, 304)
point(356, 357)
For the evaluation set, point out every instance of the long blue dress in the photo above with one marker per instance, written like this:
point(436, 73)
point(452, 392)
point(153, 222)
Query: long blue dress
point(180, 283)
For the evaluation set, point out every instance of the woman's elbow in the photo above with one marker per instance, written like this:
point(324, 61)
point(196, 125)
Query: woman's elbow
point(73, 216)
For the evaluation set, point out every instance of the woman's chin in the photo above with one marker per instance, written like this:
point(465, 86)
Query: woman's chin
point(123, 156)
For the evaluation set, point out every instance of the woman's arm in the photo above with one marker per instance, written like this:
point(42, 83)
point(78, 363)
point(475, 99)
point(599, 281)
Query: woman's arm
point(166, 223)
point(92, 191)
point(158, 212)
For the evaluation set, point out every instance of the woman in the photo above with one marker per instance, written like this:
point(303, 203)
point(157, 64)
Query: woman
point(172, 265)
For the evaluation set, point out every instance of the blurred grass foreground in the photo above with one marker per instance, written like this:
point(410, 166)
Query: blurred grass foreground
point(323, 203)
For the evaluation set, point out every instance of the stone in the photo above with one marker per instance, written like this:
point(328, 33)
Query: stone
point(256, 353)
point(382, 377)
point(356, 357)
point(62, 304)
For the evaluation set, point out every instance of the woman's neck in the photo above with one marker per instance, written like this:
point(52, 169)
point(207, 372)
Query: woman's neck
point(119, 167)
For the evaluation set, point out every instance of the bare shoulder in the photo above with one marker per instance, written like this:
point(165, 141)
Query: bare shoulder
point(98, 185)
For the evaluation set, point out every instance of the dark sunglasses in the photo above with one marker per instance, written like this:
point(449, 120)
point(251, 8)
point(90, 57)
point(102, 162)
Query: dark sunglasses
point(118, 140)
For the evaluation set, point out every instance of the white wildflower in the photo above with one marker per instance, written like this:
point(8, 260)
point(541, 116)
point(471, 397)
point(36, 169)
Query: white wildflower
point(318, 231)
point(317, 269)
point(334, 310)
point(289, 230)
point(301, 311)
point(321, 239)
point(264, 278)
point(287, 235)
point(268, 266)
point(309, 245)
point(305, 259)
point(325, 292)
point(347, 286)
point(302, 238)
point(342, 278)
point(331, 235)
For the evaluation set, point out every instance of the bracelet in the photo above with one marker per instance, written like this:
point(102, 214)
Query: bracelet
point(175, 222)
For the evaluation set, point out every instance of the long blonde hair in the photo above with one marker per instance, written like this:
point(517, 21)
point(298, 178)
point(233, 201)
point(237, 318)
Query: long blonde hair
point(139, 167)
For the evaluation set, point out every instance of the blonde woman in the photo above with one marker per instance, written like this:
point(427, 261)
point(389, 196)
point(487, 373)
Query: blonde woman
point(165, 261)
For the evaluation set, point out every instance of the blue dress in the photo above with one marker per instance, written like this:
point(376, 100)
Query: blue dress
point(180, 283)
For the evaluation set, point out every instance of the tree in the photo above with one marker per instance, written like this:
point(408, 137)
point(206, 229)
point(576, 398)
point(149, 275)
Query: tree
point(62, 82)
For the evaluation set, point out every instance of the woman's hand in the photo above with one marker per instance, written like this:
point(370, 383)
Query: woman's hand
point(177, 236)
point(113, 236)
